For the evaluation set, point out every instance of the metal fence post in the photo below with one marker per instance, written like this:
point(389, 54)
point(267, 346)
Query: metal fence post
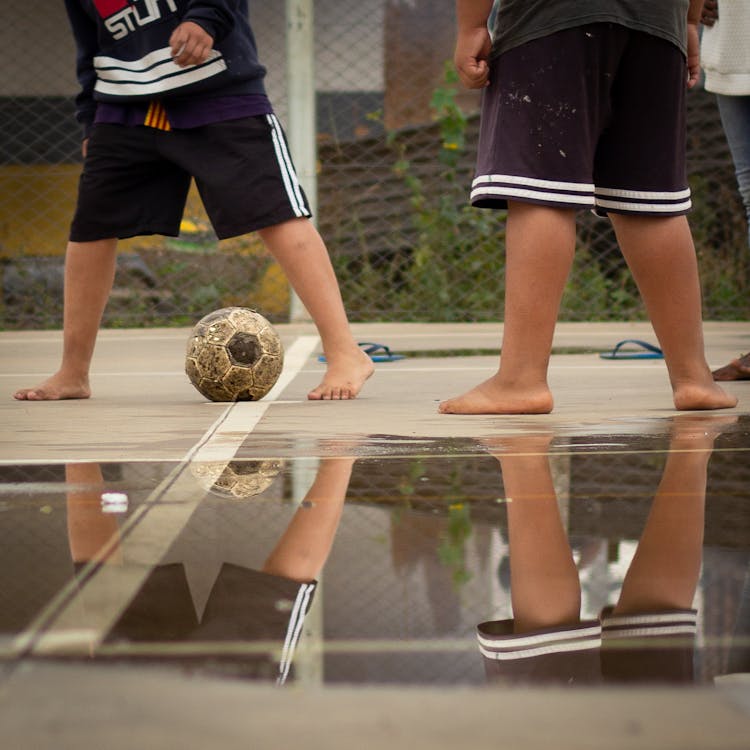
point(300, 56)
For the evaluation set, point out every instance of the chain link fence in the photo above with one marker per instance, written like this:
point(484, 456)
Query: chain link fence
point(396, 139)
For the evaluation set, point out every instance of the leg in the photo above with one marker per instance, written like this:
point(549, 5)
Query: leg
point(545, 589)
point(661, 256)
point(303, 548)
point(300, 251)
point(89, 529)
point(735, 118)
point(89, 274)
point(666, 566)
point(540, 247)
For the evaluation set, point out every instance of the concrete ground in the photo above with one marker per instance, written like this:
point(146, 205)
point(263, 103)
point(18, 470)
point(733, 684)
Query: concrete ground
point(144, 409)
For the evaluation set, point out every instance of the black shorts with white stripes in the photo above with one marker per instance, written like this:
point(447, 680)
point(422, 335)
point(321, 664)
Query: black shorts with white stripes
point(135, 180)
point(589, 117)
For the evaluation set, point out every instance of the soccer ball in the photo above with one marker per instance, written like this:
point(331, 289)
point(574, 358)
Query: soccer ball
point(234, 354)
point(236, 479)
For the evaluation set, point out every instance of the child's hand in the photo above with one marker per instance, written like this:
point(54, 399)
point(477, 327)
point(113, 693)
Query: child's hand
point(472, 52)
point(190, 44)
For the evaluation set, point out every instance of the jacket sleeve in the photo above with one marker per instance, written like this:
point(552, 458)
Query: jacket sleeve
point(216, 17)
point(85, 34)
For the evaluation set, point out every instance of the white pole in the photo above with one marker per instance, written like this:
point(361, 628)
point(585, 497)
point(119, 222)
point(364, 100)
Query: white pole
point(300, 67)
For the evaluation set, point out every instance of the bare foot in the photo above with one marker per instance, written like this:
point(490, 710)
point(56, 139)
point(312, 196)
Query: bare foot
point(693, 396)
point(737, 369)
point(344, 378)
point(56, 388)
point(491, 398)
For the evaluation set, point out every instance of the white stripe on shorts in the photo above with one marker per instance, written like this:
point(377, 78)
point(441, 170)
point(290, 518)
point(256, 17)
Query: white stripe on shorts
point(645, 208)
point(644, 201)
point(515, 186)
point(289, 176)
point(646, 195)
point(512, 179)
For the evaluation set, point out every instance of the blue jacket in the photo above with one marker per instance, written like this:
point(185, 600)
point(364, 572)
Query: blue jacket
point(123, 51)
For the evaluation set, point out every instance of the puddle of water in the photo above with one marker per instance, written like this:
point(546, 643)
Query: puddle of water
point(53, 519)
point(523, 559)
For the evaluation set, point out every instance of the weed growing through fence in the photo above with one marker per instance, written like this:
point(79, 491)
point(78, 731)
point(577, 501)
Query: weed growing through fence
point(455, 271)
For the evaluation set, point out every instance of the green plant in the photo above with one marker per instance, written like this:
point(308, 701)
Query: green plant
point(455, 271)
point(452, 549)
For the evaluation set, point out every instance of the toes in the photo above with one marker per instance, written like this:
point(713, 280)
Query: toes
point(326, 392)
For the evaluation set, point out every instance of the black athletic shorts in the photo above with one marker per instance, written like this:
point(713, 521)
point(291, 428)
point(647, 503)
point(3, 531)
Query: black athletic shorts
point(589, 117)
point(135, 180)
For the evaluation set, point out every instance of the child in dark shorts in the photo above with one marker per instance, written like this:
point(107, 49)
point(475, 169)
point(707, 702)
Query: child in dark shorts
point(180, 95)
point(584, 109)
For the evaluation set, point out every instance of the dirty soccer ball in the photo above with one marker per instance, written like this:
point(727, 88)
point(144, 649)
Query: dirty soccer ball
point(236, 479)
point(234, 354)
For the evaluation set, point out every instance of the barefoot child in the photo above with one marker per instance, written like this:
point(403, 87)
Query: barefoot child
point(584, 108)
point(166, 95)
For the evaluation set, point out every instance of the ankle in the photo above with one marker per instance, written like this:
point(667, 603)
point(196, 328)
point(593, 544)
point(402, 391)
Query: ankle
point(72, 373)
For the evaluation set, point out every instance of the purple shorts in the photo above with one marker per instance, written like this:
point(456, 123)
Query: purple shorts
point(591, 117)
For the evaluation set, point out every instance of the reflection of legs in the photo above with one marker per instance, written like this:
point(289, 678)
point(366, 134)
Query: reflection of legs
point(545, 590)
point(661, 256)
point(666, 566)
point(540, 243)
point(303, 548)
point(89, 274)
point(300, 251)
point(89, 530)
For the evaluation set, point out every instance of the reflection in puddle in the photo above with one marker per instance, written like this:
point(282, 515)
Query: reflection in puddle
point(649, 633)
point(623, 559)
point(244, 605)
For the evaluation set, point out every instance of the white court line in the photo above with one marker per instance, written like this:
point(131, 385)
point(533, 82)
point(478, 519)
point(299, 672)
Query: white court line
point(386, 335)
point(102, 337)
point(96, 375)
point(80, 615)
point(241, 420)
point(479, 368)
point(398, 368)
point(468, 334)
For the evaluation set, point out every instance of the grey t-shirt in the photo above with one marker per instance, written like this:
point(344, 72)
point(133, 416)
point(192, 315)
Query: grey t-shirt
point(520, 21)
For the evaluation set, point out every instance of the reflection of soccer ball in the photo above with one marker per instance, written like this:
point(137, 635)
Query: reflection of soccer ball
point(234, 354)
point(236, 479)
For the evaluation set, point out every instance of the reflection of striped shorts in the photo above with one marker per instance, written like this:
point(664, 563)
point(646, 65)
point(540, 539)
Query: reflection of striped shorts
point(636, 647)
point(135, 179)
point(589, 117)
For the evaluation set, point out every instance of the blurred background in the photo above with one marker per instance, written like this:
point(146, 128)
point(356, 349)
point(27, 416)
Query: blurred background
point(391, 163)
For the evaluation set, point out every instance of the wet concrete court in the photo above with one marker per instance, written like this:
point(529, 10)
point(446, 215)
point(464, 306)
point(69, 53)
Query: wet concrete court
point(179, 573)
